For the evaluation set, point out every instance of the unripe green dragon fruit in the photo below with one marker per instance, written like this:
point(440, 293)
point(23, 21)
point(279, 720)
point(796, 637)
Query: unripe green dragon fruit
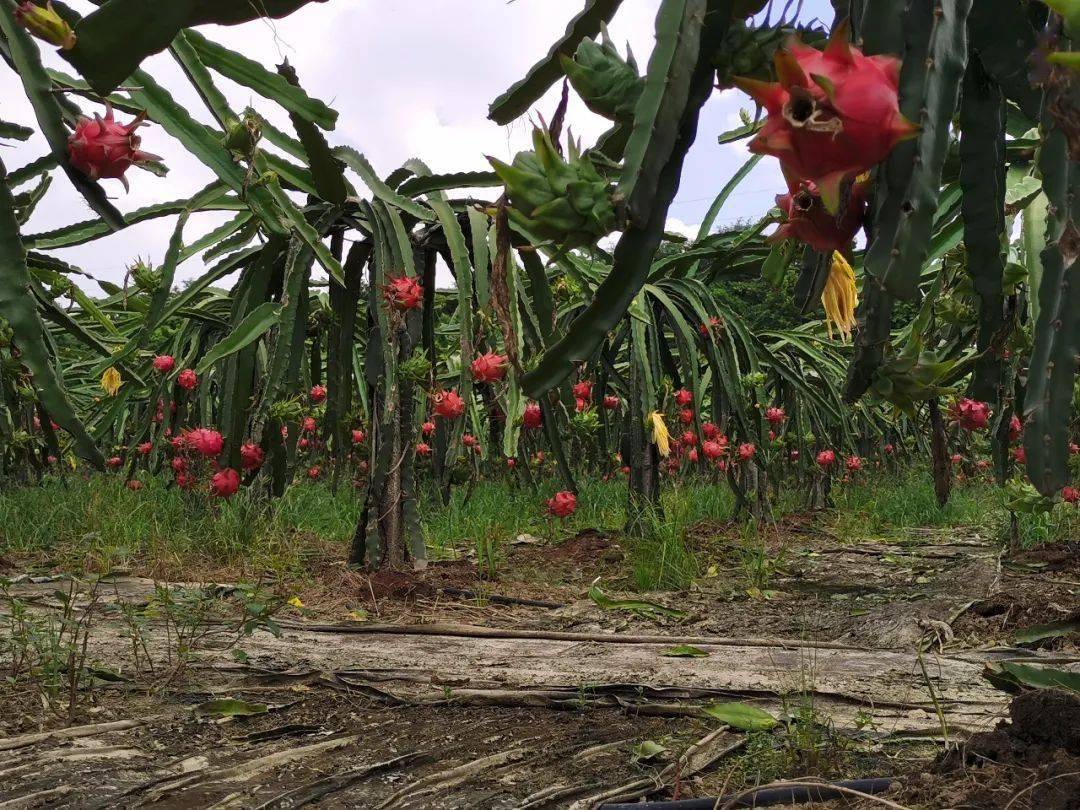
point(564, 200)
point(747, 51)
point(908, 379)
point(609, 85)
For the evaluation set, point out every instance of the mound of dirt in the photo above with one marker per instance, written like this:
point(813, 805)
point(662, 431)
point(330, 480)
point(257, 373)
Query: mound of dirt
point(1031, 760)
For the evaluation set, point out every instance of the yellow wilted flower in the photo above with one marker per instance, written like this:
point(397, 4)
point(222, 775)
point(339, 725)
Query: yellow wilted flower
point(110, 381)
point(660, 436)
point(839, 297)
point(295, 602)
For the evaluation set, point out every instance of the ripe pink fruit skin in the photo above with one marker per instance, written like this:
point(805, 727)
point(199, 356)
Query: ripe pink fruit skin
point(809, 222)
point(187, 379)
point(1070, 495)
point(114, 463)
point(403, 293)
point(1015, 428)
point(688, 438)
point(145, 448)
point(686, 416)
point(134, 485)
point(562, 504)
point(746, 451)
point(833, 128)
point(164, 363)
point(358, 436)
point(318, 394)
point(469, 440)
point(532, 418)
point(423, 449)
point(224, 483)
point(712, 450)
point(489, 368)
point(971, 414)
point(611, 402)
point(205, 441)
point(251, 456)
point(103, 147)
point(448, 404)
point(775, 416)
point(314, 472)
point(709, 430)
point(826, 458)
point(683, 397)
point(581, 405)
point(854, 463)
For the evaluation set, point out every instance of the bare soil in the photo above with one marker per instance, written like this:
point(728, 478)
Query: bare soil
point(447, 688)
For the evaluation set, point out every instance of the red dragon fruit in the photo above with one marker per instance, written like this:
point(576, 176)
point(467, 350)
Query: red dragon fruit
point(224, 483)
point(206, 441)
point(403, 293)
point(164, 363)
point(251, 456)
point(809, 222)
point(489, 368)
point(103, 147)
point(532, 418)
point(448, 404)
point(832, 115)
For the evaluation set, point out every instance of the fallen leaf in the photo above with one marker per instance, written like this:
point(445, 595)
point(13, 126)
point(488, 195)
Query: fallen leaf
point(685, 651)
point(229, 707)
point(740, 716)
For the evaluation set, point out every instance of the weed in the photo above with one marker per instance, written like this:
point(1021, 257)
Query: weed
point(193, 619)
point(660, 556)
point(892, 501)
point(757, 562)
point(47, 652)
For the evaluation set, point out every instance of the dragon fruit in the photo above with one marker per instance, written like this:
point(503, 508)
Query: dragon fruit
point(809, 222)
point(832, 114)
point(103, 147)
point(403, 293)
point(489, 368)
point(448, 404)
point(566, 200)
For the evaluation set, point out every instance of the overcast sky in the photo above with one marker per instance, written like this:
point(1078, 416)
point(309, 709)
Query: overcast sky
point(411, 79)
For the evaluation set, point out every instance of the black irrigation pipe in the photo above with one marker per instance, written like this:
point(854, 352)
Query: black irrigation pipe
point(766, 796)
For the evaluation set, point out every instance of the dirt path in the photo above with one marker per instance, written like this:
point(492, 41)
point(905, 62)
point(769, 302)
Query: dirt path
point(450, 702)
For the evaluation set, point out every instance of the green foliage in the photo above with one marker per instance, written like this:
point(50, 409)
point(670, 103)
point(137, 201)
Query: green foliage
point(763, 306)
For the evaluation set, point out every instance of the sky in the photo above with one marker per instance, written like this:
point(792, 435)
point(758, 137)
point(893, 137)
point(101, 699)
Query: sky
point(409, 80)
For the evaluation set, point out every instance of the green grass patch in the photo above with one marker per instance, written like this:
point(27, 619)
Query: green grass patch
point(891, 501)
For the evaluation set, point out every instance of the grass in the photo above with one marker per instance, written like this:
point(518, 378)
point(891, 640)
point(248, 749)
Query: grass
point(97, 524)
point(888, 502)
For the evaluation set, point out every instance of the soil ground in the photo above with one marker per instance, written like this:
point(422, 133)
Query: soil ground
point(445, 689)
